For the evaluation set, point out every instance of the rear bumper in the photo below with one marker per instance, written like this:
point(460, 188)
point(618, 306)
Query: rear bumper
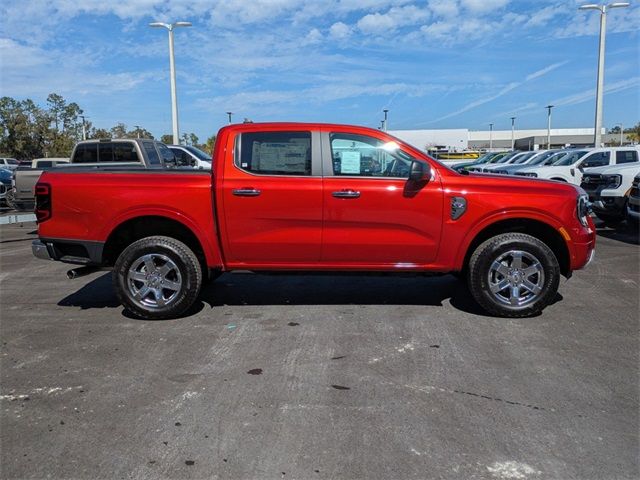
point(77, 252)
point(40, 250)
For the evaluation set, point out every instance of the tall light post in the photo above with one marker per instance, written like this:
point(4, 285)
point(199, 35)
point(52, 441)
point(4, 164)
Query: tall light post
point(172, 66)
point(84, 127)
point(513, 138)
point(386, 111)
point(229, 115)
point(597, 137)
point(621, 131)
point(490, 136)
point(549, 107)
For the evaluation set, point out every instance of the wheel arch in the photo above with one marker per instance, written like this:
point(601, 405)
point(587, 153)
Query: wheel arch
point(133, 229)
point(536, 228)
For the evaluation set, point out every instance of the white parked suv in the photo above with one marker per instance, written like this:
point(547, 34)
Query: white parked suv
point(633, 206)
point(570, 167)
point(9, 163)
point(609, 189)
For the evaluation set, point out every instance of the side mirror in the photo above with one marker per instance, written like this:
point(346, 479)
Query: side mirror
point(419, 171)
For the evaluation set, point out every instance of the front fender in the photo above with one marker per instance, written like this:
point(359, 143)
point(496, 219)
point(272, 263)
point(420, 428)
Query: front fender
point(500, 216)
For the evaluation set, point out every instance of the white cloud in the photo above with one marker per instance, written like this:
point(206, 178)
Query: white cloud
point(339, 30)
point(382, 23)
point(314, 36)
point(589, 95)
point(484, 6)
point(508, 88)
point(444, 8)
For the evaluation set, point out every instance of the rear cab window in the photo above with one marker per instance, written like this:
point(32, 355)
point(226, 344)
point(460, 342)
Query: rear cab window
point(274, 153)
point(152, 153)
point(626, 156)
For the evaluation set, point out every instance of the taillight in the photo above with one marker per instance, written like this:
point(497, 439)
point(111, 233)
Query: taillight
point(43, 202)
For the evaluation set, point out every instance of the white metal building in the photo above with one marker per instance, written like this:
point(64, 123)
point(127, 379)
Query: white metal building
point(463, 139)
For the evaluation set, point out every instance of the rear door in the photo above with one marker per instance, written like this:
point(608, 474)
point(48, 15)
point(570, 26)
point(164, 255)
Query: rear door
point(373, 216)
point(272, 199)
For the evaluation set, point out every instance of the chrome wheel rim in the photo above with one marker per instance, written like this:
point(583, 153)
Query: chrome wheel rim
point(516, 278)
point(154, 281)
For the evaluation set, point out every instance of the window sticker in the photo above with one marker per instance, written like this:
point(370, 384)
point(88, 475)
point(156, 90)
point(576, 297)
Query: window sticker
point(350, 163)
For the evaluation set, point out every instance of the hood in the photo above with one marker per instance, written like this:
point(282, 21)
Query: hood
point(625, 168)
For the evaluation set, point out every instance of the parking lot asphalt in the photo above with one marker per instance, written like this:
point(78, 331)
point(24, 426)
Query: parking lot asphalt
point(318, 377)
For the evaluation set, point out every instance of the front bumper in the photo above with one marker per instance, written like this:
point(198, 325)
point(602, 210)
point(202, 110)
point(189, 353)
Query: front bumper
point(611, 206)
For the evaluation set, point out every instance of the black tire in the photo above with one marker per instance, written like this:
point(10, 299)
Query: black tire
point(536, 256)
point(164, 288)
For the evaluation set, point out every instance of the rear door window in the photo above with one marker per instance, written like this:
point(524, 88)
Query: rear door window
point(275, 153)
point(152, 153)
point(626, 156)
point(168, 158)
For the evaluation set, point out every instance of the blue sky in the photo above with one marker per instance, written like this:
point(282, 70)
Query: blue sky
point(433, 64)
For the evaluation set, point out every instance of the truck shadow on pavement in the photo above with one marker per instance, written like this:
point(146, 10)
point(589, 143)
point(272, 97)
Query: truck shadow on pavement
point(624, 233)
point(254, 290)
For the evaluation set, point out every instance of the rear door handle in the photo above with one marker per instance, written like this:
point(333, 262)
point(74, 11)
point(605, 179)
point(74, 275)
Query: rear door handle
point(346, 194)
point(246, 192)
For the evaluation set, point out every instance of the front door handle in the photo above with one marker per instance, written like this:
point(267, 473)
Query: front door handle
point(246, 192)
point(346, 194)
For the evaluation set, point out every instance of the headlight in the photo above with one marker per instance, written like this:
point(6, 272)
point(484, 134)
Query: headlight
point(611, 181)
point(583, 209)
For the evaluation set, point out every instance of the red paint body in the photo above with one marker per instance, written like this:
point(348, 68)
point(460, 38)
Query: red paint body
point(296, 223)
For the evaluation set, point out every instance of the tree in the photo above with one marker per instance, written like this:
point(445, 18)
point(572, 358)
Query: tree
point(98, 133)
point(167, 139)
point(119, 131)
point(633, 133)
point(208, 146)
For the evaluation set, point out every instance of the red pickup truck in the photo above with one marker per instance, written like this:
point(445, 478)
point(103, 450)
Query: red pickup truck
point(310, 197)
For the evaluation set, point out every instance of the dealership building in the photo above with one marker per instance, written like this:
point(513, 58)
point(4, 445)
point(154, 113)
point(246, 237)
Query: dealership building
point(463, 139)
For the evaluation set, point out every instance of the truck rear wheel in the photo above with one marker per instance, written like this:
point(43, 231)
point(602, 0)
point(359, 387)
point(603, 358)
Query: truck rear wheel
point(157, 277)
point(513, 275)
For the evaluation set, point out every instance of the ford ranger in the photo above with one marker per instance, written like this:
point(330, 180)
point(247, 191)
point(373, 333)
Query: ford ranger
point(314, 197)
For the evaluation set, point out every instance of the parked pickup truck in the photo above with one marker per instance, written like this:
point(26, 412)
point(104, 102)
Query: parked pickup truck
point(609, 189)
point(102, 153)
point(311, 197)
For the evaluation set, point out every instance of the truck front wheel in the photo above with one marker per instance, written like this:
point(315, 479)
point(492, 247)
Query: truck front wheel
point(157, 277)
point(513, 275)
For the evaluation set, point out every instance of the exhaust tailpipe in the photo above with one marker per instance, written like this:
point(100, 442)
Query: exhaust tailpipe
point(81, 272)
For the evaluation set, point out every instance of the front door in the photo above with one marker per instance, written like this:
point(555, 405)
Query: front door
point(374, 216)
point(272, 199)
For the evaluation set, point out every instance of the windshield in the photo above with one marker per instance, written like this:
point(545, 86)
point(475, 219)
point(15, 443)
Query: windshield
point(515, 158)
point(570, 158)
point(199, 153)
point(541, 158)
point(523, 158)
point(507, 157)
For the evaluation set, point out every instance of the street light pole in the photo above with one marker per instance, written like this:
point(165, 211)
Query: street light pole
point(621, 132)
point(513, 140)
point(229, 114)
point(84, 128)
point(549, 107)
point(490, 136)
point(386, 111)
point(172, 66)
point(597, 137)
